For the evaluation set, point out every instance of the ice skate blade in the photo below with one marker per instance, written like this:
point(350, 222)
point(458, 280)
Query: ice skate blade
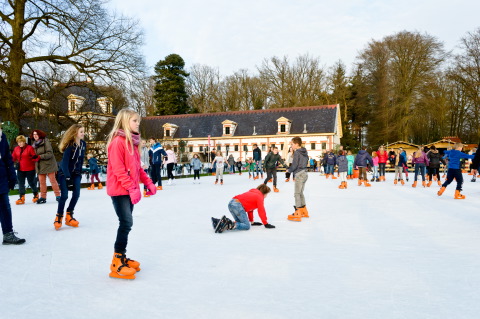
point(116, 275)
point(72, 225)
point(294, 219)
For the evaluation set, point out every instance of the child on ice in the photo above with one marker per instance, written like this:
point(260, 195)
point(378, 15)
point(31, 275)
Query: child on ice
point(342, 163)
point(454, 171)
point(241, 207)
point(94, 171)
point(197, 165)
point(299, 171)
point(123, 174)
point(220, 165)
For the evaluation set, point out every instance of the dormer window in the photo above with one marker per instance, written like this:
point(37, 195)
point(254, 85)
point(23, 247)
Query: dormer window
point(229, 127)
point(284, 125)
point(75, 102)
point(105, 104)
point(169, 130)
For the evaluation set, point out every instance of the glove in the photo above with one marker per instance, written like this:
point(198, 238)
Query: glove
point(69, 184)
point(152, 190)
point(135, 195)
point(269, 226)
point(11, 184)
point(257, 224)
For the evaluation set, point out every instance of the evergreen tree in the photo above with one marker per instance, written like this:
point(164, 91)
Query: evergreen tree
point(170, 93)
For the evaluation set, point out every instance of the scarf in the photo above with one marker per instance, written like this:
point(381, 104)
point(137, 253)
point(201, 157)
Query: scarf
point(135, 136)
point(37, 143)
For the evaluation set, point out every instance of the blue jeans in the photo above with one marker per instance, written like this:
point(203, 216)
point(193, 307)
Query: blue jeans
point(375, 172)
point(258, 168)
point(124, 208)
point(239, 214)
point(5, 214)
point(62, 182)
point(420, 168)
point(329, 169)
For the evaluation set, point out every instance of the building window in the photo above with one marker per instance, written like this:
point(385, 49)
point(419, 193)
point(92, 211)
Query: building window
point(201, 148)
point(190, 148)
point(227, 130)
point(109, 107)
point(245, 148)
point(167, 132)
point(236, 148)
point(324, 146)
point(219, 147)
point(312, 146)
point(263, 147)
point(281, 147)
point(72, 106)
point(175, 149)
point(283, 128)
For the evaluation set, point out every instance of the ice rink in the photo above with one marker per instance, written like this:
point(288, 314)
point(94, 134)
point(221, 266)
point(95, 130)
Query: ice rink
point(383, 252)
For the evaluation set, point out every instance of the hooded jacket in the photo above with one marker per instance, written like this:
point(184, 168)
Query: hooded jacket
point(156, 153)
point(93, 166)
point(72, 160)
point(435, 158)
point(300, 161)
point(257, 154)
point(342, 163)
point(362, 159)
point(331, 159)
point(47, 163)
point(196, 163)
point(271, 160)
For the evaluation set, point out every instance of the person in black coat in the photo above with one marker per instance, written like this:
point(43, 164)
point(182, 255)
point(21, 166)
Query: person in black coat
point(8, 179)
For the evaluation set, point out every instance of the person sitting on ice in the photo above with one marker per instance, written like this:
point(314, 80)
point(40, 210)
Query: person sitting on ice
point(241, 207)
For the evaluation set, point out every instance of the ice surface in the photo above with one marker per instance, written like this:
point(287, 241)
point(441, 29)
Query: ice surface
point(381, 252)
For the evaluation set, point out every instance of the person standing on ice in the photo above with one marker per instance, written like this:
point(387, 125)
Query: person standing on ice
point(257, 159)
point(156, 152)
point(220, 162)
point(124, 171)
point(375, 167)
point(350, 160)
point(197, 165)
point(23, 155)
point(362, 160)
point(270, 164)
point(241, 207)
point(400, 162)
point(231, 164)
point(94, 171)
point(170, 160)
point(8, 179)
point(73, 148)
point(435, 159)
point(299, 171)
point(342, 162)
point(454, 170)
point(420, 161)
point(289, 162)
point(145, 163)
point(382, 163)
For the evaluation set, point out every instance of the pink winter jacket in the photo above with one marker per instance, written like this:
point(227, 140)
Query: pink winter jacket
point(124, 169)
point(171, 157)
point(375, 160)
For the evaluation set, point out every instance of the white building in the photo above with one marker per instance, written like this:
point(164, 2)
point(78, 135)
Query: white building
point(235, 132)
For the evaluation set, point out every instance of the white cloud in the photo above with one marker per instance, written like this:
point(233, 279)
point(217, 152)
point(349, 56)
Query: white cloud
point(239, 34)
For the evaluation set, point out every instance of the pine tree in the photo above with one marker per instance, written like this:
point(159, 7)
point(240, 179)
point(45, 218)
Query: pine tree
point(170, 93)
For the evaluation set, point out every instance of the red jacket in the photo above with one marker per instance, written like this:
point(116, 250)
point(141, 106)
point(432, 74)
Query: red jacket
point(124, 169)
point(24, 157)
point(251, 200)
point(382, 156)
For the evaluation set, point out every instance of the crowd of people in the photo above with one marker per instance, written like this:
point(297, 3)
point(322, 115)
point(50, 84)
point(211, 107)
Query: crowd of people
point(133, 161)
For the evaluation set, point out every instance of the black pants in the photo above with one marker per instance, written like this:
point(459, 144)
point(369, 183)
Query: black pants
point(32, 182)
point(5, 214)
point(124, 208)
point(434, 171)
point(454, 173)
point(196, 174)
point(271, 172)
point(170, 170)
point(381, 169)
point(157, 174)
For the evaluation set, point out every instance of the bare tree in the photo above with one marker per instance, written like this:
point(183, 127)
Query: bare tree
point(79, 35)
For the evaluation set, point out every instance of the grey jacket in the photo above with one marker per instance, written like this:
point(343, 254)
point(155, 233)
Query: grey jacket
point(196, 163)
point(144, 157)
point(47, 163)
point(342, 163)
point(300, 161)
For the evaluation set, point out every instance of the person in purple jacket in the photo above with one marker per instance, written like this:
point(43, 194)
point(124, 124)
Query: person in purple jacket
point(420, 161)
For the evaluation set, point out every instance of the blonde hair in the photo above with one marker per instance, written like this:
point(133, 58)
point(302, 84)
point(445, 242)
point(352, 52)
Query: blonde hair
point(374, 154)
point(89, 155)
point(219, 153)
point(418, 153)
point(21, 138)
point(69, 137)
point(457, 145)
point(122, 122)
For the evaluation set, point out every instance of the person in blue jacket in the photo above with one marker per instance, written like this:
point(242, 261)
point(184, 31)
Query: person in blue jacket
point(8, 179)
point(362, 160)
point(454, 170)
point(156, 152)
point(331, 162)
point(257, 158)
point(73, 148)
point(196, 165)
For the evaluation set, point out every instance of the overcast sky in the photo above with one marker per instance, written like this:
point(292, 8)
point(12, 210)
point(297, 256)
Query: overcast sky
point(232, 35)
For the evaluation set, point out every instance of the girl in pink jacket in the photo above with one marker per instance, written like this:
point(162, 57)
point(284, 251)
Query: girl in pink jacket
point(124, 171)
point(170, 160)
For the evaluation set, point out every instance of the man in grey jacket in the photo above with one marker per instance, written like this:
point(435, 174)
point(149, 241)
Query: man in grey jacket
point(299, 171)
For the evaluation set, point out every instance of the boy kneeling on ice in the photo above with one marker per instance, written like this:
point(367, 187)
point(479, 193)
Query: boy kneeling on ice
point(242, 205)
